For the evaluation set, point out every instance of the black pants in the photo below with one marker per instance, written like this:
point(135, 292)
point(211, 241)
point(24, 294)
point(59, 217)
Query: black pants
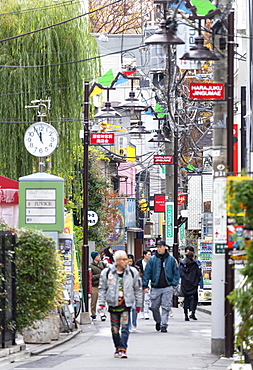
point(190, 302)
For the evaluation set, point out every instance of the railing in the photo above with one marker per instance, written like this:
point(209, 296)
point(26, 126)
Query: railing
point(7, 289)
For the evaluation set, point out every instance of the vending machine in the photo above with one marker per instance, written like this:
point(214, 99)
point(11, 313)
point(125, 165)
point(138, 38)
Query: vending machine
point(205, 257)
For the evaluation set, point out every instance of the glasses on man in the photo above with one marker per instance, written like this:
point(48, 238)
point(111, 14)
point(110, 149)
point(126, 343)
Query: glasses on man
point(124, 259)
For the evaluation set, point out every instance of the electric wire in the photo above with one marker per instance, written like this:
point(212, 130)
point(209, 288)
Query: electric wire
point(59, 23)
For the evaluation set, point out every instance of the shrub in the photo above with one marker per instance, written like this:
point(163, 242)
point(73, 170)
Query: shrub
point(37, 273)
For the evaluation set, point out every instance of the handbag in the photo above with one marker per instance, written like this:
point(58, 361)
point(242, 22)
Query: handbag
point(177, 291)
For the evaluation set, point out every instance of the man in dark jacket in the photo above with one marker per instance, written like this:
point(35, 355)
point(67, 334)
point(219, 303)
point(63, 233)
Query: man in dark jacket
point(96, 267)
point(190, 275)
point(162, 270)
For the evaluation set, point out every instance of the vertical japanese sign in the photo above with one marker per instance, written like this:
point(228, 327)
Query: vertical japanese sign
point(169, 219)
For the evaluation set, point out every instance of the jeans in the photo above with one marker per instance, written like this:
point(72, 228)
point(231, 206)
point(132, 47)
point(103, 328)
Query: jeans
point(120, 320)
point(161, 297)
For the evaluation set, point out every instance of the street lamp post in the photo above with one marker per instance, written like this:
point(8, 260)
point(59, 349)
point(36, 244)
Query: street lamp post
point(85, 248)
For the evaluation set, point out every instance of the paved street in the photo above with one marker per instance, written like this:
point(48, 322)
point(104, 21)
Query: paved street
point(186, 346)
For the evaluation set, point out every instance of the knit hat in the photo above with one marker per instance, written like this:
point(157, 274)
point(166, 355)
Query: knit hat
point(94, 254)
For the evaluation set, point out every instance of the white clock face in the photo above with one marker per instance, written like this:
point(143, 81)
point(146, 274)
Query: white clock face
point(41, 139)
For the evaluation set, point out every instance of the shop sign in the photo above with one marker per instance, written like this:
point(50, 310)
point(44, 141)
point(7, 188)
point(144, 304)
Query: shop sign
point(169, 223)
point(102, 138)
point(163, 159)
point(181, 199)
point(207, 90)
point(159, 202)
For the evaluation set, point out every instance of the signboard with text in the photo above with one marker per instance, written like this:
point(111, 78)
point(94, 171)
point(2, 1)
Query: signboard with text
point(169, 219)
point(207, 90)
point(159, 202)
point(102, 138)
point(163, 159)
point(41, 202)
point(181, 199)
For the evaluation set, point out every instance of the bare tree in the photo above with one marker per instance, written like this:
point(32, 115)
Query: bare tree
point(119, 17)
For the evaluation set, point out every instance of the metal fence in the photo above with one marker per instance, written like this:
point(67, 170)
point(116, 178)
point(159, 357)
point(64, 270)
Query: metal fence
point(7, 289)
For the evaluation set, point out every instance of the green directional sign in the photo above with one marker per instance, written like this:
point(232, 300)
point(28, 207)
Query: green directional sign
point(203, 7)
point(169, 219)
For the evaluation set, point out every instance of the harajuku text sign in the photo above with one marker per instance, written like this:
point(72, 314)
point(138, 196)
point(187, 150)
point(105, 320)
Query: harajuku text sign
point(207, 90)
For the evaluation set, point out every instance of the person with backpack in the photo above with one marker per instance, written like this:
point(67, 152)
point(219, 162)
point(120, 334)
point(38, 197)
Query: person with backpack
point(120, 286)
point(96, 267)
point(190, 274)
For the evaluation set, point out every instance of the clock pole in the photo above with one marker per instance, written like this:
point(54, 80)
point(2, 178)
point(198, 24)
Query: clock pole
point(85, 250)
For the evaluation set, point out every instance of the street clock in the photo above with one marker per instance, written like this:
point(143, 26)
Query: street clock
point(41, 139)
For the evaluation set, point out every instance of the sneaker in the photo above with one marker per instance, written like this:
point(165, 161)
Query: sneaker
point(171, 313)
point(94, 318)
point(123, 354)
point(163, 330)
point(117, 354)
point(146, 316)
point(157, 326)
point(186, 318)
point(103, 318)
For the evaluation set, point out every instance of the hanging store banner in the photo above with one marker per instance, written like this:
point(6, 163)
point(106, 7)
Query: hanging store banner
point(207, 91)
point(169, 219)
point(159, 202)
point(102, 138)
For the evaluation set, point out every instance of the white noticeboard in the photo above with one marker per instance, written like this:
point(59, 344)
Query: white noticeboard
point(219, 211)
point(40, 206)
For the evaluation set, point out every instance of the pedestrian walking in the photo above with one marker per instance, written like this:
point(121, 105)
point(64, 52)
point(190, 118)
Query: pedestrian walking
point(96, 267)
point(108, 255)
point(162, 270)
point(133, 313)
point(187, 250)
point(119, 286)
point(190, 277)
point(141, 264)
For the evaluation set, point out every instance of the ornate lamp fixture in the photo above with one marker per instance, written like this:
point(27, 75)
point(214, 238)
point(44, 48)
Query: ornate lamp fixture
point(199, 51)
point(132, 103)
point(159, 136)
point(139, 129)
point(107, 111)
point(165, 35)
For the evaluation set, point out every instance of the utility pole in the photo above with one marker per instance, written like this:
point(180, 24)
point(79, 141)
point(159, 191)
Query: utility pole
point(222, 284)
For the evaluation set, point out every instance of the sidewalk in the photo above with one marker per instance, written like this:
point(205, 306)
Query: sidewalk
point(186, 346)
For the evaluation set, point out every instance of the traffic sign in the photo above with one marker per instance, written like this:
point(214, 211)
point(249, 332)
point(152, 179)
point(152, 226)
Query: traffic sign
point(92, 218)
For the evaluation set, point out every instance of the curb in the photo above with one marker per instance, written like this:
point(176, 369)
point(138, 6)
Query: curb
point(204, 310)
point(46, 347)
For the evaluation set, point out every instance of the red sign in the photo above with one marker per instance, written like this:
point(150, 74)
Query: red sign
point(163, 159)
point(181, 199)
point(159, 202)
point(207, 90)
point(102, 138)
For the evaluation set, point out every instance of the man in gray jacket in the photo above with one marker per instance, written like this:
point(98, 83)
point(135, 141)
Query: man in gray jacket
point(120, 286)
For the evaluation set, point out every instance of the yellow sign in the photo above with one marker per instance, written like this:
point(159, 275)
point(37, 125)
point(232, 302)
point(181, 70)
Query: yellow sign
point(69, 229)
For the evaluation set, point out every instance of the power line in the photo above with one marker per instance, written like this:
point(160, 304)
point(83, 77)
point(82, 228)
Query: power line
point(46, 7)
point(72, 62)
point(59, 23)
